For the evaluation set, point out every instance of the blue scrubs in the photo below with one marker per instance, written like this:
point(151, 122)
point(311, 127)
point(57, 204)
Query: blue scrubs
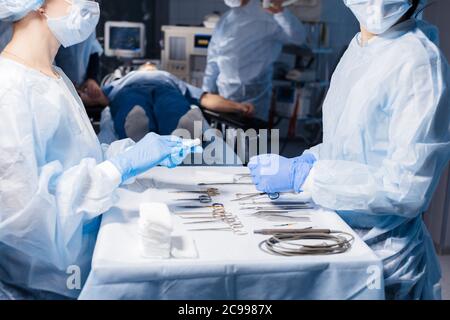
point(75, 60)
point(5, 34)
point(164, 98)
point(245, 45)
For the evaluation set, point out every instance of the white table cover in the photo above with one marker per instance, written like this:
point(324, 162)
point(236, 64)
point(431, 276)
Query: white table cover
point(229, 266)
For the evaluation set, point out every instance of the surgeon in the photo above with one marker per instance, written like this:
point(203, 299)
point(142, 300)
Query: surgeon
point(5, 34)
point(244, 47)
point(55, 178)
point(149, 100)
point(81, 63)
point(386, 142)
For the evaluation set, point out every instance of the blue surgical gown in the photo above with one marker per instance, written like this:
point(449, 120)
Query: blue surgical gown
point(386, 142)
point(74, 60)
point(52, 190)
point(164, 98)
point(245, 45)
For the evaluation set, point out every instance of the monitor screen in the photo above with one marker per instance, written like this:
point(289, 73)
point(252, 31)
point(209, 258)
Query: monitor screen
point(177, 48)
point(125, 38)
point(202, 41)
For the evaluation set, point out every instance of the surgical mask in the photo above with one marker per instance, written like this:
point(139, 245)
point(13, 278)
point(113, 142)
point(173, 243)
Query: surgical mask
point(233, 3)
point(78, 25)
point(378, 16)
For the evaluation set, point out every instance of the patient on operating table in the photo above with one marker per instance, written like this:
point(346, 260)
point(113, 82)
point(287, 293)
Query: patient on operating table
point(149, 100)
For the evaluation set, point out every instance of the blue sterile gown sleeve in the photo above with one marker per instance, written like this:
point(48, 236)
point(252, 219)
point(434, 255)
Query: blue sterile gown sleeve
point(53, 183)
point(245, 44)
point(386, 142)
point(74, 61)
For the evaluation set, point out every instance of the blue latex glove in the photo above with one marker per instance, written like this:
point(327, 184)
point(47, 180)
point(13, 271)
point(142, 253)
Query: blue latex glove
point(151, 151)
point(272, 173)
point(180, 153)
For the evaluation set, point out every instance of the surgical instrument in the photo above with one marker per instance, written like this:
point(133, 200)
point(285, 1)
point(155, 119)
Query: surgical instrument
point(247, 196)
point(236, 231)
point(218, 215)
point(212, 192)
point(242, 176)
point(195, 213)
point(275, 211)
point(288, 208)
point(215, 206)
point(283, 216)
point(276, 203)
point(286, 225)
point(192, 143)
point(202, 199)
point(212, 215)
point(271, 232)
point(235, 223)
point(237, 180)
point(285, 242)
point(225, 183)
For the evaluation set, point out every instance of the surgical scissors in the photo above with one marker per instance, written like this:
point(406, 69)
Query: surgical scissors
point(211, 192)
point(247, 196)
point(218, 215)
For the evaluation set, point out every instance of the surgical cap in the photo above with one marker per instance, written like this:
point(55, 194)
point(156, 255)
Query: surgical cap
point(14, 10)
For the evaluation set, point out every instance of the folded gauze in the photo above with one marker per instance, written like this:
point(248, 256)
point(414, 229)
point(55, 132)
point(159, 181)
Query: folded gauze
point(155, 228)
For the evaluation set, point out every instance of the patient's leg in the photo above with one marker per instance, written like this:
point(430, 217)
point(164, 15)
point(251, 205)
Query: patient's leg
point(137, 124)
point(132, 113)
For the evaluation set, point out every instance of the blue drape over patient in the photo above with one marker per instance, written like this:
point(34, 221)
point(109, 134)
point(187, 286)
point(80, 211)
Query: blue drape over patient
point(157, 96)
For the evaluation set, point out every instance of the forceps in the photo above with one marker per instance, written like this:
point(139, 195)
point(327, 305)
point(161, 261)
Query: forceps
point(205, 215)
point(236, 231)
point(233, 221)
point(281, 214)
point(202, 199)
point(215, 206)
point(278, 207)
point(237, 180)
point(211, 192)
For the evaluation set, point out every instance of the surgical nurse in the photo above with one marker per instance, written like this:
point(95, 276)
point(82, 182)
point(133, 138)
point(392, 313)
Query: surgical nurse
point(386, 143)
point(243, 49)
point(55, 178)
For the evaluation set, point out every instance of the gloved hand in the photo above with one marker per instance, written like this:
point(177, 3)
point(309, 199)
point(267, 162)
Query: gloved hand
point(179, 154)
point(272, 173)
point(151, 151)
